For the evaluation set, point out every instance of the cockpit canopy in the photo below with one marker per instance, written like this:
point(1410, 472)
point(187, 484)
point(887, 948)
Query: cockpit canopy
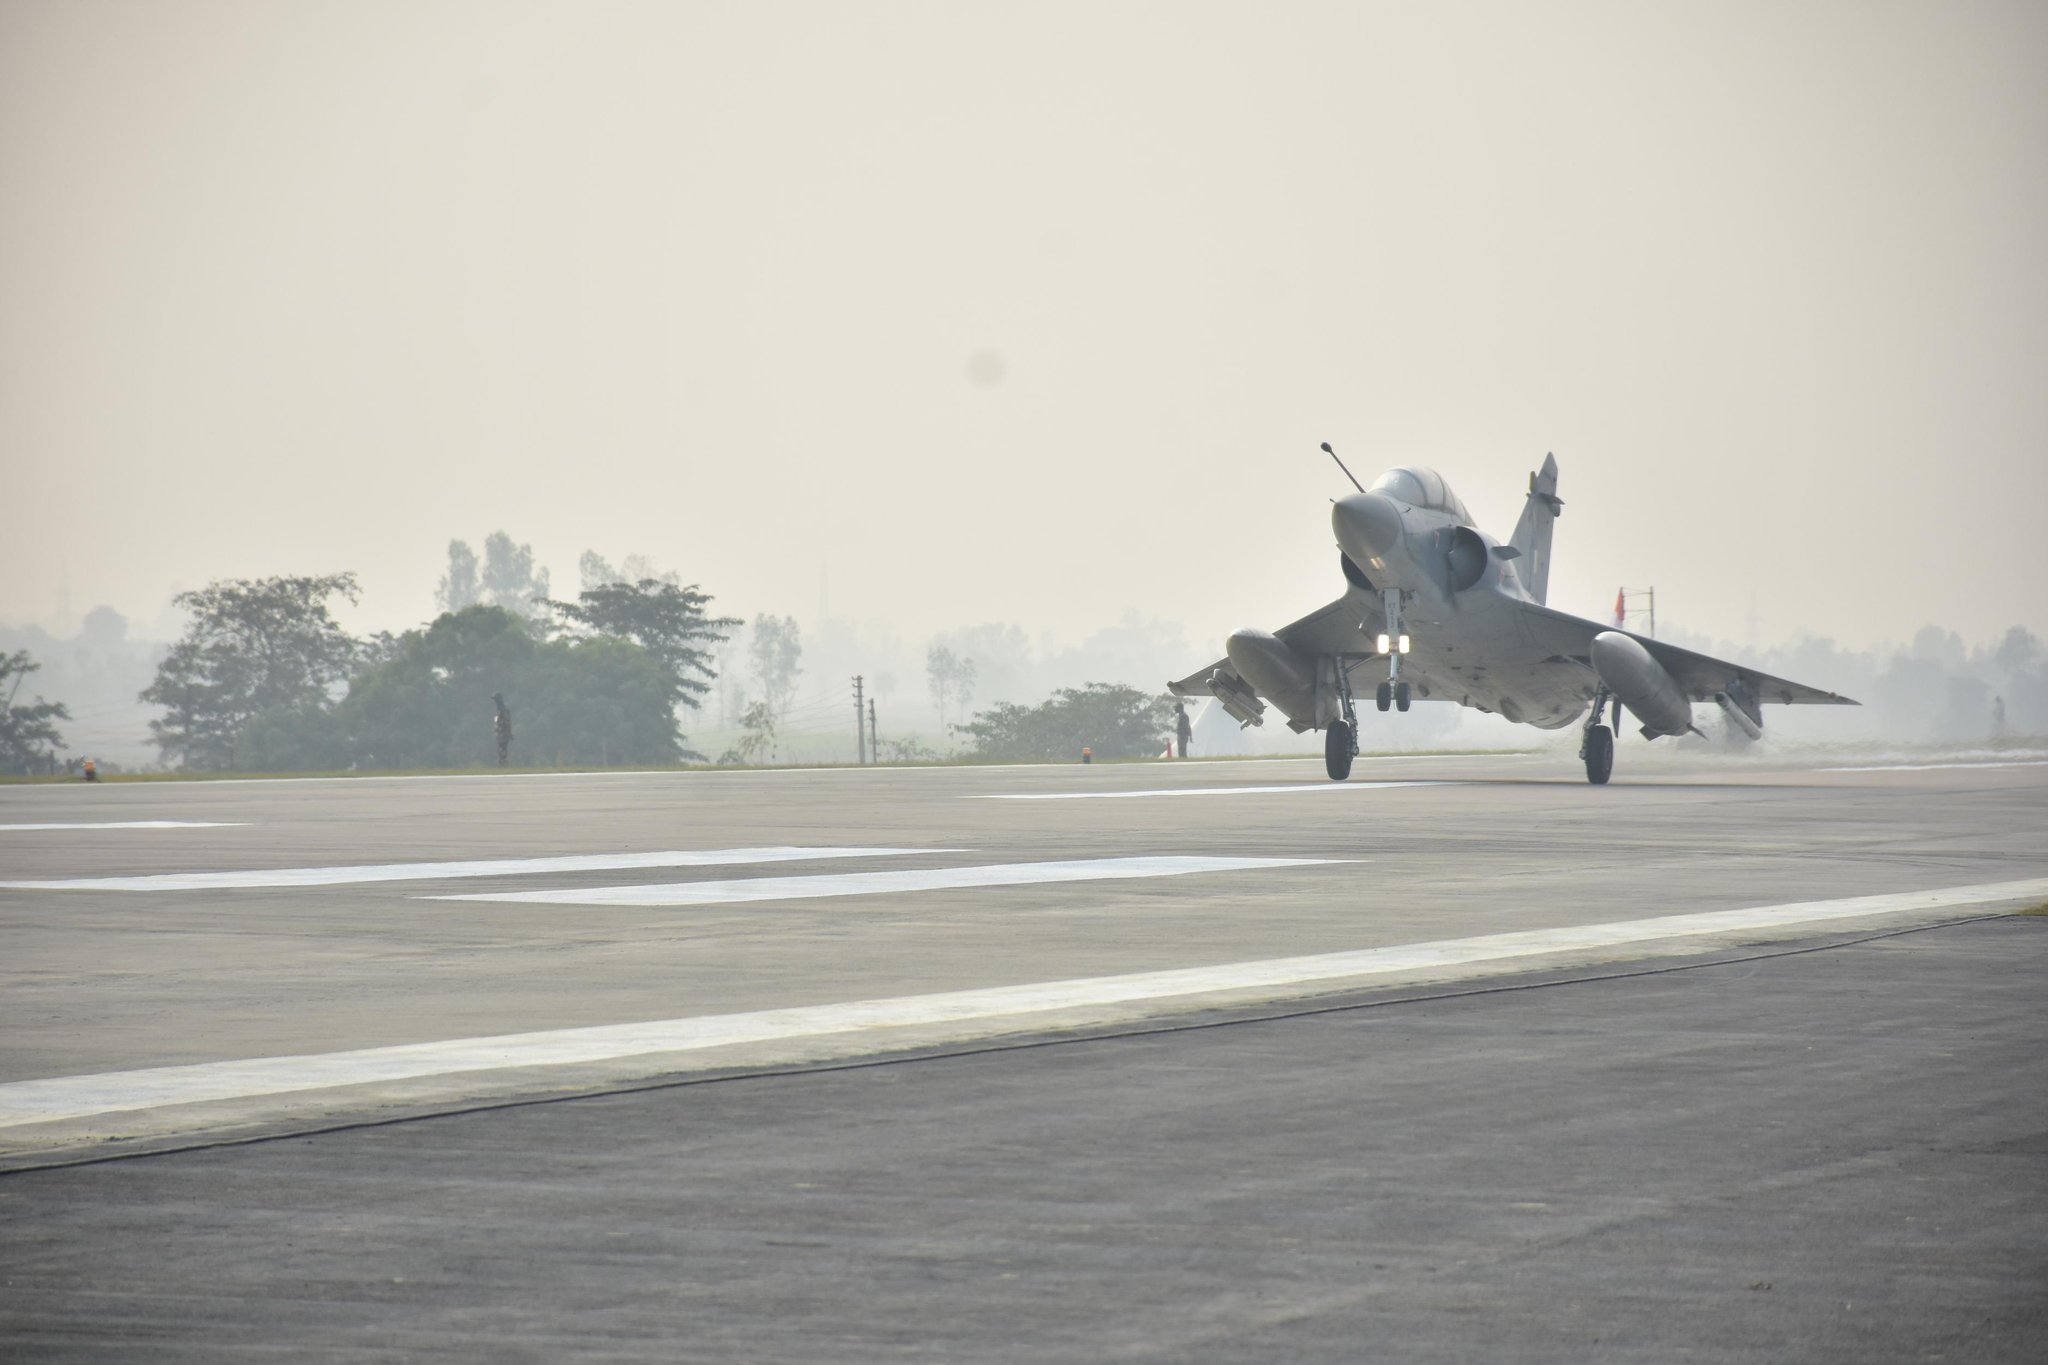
point(1421, 487)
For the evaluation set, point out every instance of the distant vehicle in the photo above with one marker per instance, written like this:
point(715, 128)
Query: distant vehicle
point(1450, 613)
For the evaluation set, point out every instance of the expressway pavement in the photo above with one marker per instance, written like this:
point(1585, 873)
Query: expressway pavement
point(198, 963)
point(201, 956)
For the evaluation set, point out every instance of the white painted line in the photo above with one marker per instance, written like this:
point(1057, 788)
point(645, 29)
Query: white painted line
point(71, 1097)
point(1924, 767)
point(134, 824)
point(879, 883)
point(844, 769)
point(497, 867)
point(1203, 791)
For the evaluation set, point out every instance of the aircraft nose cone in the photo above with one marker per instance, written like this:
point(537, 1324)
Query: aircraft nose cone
point(1368, 525)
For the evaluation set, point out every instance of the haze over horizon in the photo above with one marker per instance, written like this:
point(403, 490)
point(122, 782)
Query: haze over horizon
point(953, 315)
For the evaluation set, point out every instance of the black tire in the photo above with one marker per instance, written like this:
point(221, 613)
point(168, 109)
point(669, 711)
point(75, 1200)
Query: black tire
point(1337, 750)
point(1385, 696)
point(1599, 755)
point(1401, 697)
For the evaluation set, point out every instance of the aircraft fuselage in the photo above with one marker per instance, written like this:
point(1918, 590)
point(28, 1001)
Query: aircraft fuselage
point(1410, 533)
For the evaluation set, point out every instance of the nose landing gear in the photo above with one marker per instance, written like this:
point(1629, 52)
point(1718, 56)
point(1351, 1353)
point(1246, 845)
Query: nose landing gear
point(1393, 643)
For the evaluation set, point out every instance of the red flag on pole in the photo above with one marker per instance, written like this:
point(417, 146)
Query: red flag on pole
point(1620, 607)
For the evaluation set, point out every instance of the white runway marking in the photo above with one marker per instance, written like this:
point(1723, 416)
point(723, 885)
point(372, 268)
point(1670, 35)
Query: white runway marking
point(71, 1097)
point(877, 883)
point(1203, 791)
point(412, 872)
point(1922, 767)
point(133, 824)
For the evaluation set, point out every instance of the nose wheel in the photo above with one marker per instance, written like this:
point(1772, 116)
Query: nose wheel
point(1393, 693)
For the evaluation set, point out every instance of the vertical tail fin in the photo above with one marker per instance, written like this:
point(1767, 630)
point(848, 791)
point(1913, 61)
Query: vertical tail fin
point(1532, 532)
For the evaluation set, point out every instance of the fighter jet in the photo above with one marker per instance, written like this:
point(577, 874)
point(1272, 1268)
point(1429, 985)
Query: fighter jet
point(1442, 610)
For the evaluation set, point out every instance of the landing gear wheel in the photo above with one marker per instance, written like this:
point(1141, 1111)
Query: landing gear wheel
point(1337, 750)
point(1401, 696)
point(1385, 696)
point(1599, 755)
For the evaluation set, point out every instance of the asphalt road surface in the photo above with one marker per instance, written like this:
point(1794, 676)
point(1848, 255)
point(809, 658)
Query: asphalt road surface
point(1728, 1060)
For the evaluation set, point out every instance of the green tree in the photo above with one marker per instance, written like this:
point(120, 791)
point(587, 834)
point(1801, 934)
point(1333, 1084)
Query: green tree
point(598, 701)
point(951, 678)
point(28, 733)
point(306, 737)
point(591, 701)
point(758, 740)
point(596, 570)
point(907, 750)
point(506, 577)
point(1113, 720)
point(1001, 657)
point(253, 645)
point(2018, 649)
point(667, 621)
point(459, 588)
point(776, 647)
point(379, 648)
point(509, 579)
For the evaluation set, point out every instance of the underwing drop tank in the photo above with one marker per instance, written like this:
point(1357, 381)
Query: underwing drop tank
point(1650, 693)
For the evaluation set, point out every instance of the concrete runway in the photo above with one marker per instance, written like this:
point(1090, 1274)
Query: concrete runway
point(1220, 1194)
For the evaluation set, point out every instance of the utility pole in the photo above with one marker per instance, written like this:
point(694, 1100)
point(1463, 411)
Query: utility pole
point(860, 734)
point(874, 741)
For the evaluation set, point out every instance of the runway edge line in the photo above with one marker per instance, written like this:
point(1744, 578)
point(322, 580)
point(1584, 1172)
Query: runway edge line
point(73, 1097)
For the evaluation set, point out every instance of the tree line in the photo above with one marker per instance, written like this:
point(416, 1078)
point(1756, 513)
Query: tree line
point(265, 680)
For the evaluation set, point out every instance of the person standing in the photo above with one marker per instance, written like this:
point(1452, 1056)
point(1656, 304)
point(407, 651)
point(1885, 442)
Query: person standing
point(1183, 730)
point(502, 727)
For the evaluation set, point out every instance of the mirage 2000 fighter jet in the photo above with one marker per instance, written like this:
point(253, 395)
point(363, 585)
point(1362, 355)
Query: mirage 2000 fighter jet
point(1442, 610)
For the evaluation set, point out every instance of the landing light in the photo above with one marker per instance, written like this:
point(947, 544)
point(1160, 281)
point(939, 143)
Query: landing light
point(1404, 644)
point(1383, 642)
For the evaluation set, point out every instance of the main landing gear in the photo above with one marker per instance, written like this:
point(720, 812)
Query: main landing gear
point(1340, 746)
point(1597, 748)
point(1340, 741)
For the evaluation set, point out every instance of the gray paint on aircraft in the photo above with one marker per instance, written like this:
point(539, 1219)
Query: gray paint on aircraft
point(1480, 632)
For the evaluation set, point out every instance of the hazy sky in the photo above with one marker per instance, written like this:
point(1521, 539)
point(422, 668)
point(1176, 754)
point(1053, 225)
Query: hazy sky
point(1027, 312)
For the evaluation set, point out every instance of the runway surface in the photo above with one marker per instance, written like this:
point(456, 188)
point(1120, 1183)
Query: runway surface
point(194, 963)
